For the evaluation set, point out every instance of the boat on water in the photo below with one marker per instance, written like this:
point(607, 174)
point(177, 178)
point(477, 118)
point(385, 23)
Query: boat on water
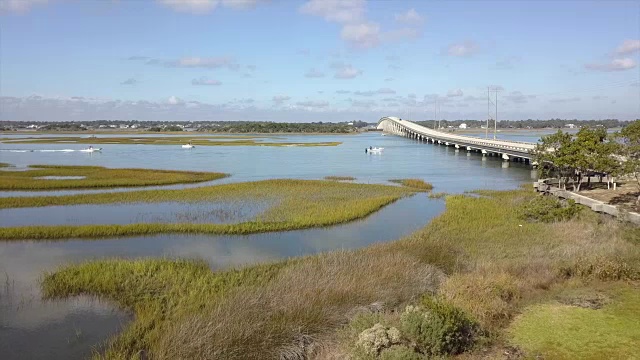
point(187, 146)
point(373, 150)
point(91, 149)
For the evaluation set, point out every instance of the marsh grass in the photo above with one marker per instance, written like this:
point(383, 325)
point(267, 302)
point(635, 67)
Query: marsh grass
point(611, 332)
point(184, 310)
point(297, 204)
point(164, 140)
point(3, 165)
point(339, 178)
point(97, 177)
point(496, 266)
point(414, 183)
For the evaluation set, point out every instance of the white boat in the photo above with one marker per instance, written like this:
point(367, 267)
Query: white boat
point(375, 150)
point(187, 146)
point(91, 149)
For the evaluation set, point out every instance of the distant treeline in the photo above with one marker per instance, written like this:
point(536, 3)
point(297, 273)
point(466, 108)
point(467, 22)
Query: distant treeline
point(530, 123)
point(274, 127)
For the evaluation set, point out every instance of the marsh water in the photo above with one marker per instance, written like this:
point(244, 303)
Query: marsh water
point(68, 329)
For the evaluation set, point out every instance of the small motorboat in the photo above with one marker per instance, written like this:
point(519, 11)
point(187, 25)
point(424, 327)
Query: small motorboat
point(91, 149)
point(187, 146)
point(373, 150)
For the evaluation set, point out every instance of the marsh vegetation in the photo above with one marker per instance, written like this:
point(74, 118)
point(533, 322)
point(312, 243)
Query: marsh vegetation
point(56, 177)
point(475, 268)
point(414, 183)
point(296, 204)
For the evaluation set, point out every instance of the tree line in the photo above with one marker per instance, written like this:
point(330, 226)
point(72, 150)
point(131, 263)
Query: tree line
point(591, 151)
point(276, 127)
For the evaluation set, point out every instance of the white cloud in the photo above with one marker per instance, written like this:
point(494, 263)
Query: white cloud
point(364, 103)
point(340, 11)
point(388, 79)
point(345, 71)
point(313, 104)
point(410, 17)
point(173, 100)
point(382, 91)
point(518, 97)
point(614, 65)
point(313, 73)
point(241, 4)
point(455, 93)
point(19, 6)
point(362, 35)
point(129, 81)
point(280, 99)
point(628, 47)
point(205, 81)
point(207, 62)
point(463, 49)
point(565, 100)
point(191, 6)
point(199, 7)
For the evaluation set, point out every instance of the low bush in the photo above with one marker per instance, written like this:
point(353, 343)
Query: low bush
point(601, 268)
point(401, 352)
point(548, 209)
point(438, 328)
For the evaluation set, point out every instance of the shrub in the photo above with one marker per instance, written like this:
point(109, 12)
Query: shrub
point(548, 209)
point(377, 338)
point(400, 352)
point(438, 328)
point(601, 268)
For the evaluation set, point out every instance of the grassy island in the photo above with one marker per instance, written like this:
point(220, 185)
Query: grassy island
point(479, 280)
point(296, 204)
point(58, 177)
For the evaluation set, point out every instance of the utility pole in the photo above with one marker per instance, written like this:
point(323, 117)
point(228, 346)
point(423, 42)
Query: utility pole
point(435, 112)
point(486, 129)
point(489, 115)
point(495, 121)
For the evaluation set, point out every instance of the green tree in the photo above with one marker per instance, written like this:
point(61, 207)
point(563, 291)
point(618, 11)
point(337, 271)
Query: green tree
point(573, 157)
point(629, 138)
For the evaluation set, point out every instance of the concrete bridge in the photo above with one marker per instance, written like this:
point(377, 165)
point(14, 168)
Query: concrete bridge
point(506, 149)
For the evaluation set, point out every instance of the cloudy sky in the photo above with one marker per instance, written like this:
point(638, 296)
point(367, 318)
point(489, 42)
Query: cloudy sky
point(311, 60)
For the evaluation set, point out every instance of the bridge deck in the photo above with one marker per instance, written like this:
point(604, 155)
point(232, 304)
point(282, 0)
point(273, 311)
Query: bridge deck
point(510, 148)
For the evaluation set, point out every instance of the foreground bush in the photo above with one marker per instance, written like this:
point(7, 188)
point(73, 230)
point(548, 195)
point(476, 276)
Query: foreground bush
point(548, 209)
point(438, 328)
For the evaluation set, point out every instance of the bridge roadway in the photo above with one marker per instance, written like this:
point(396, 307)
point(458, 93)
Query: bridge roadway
point(507, 150)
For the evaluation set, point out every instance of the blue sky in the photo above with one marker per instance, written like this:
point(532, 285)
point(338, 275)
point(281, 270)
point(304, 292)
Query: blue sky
point(329, 60)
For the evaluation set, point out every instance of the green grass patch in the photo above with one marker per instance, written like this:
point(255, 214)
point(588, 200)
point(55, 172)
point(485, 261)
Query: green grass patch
point(414, 183)
point(158, 292)
point(339, 178)
point(163, 140)
point(2, 165)
point(496, 266)
point(298, 204)
point(559, 331)
point(97, 177)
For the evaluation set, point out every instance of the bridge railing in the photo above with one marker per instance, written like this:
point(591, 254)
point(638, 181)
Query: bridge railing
point(419, 129)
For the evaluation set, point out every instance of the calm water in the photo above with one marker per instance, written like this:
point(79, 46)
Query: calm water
point(31, 328)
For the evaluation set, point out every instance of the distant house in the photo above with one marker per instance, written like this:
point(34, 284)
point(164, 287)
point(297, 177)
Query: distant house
point(462, 126)
point(124, 126)
point(570, 126)
point(351, 123)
